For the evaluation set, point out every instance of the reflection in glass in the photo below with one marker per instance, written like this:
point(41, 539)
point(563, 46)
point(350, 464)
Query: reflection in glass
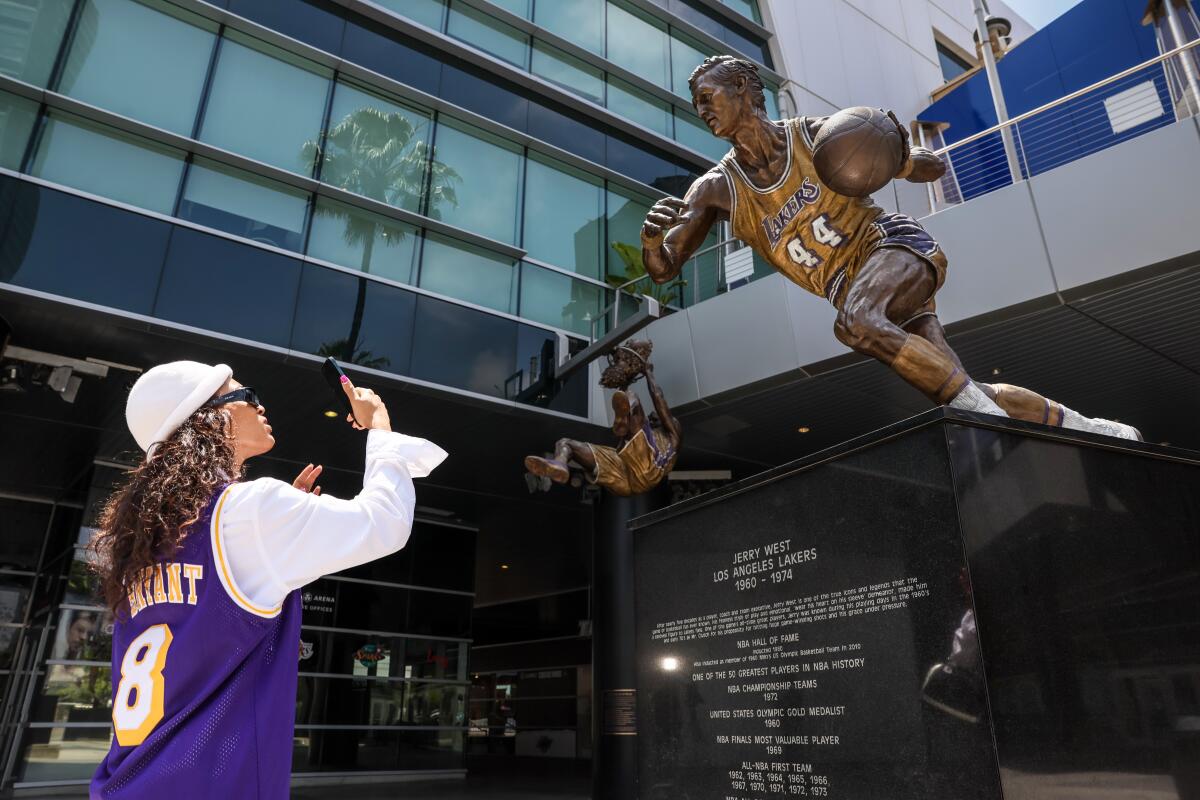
point(401, 657)
point(363, 240)
point(638, 44)
point(625, 214)
point(33, 30)
point(573, 74)
point(63, 754)
point(377, 701)
point(488, 34)
point(379, 149)
point(637, 106)
point(356, 320)
point(106, 162)
point(17, 115)
point(470, 273)
point(578, 21)
point(685, 57)
point(147, 62)
point(490, 170)
point(243, 204)
point(265, 103)
point(563, 211)
point(317, 750)
point(559, 300)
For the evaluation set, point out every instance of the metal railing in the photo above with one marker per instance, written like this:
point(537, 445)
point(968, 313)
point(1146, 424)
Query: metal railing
point(702, 277)
point(1120, 107)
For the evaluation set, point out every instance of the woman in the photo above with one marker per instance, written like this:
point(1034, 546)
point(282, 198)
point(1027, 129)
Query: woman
point(201, 571)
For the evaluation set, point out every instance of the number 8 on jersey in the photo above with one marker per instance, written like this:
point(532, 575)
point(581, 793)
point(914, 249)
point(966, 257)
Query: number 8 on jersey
point(138, 706)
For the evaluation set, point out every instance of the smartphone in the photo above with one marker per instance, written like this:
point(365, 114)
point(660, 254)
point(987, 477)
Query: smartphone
point(333, 373)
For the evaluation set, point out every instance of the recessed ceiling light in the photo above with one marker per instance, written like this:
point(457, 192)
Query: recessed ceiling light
point(504, 566)
point(331, 414)
point(802, 429)
point(996, 371)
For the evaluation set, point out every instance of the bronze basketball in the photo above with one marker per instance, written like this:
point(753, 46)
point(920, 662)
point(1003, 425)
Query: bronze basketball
point(857, 151)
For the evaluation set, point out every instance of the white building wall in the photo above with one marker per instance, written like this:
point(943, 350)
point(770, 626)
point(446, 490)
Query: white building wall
point(839, 53)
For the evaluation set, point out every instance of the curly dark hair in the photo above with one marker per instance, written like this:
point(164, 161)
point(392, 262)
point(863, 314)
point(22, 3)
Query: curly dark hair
point(146, 517)
point(725, 69)
point(626, 364)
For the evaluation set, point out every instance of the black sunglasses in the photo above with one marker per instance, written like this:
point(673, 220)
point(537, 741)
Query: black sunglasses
point(245, 394)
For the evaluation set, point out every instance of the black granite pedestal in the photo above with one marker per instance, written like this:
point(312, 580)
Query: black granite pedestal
point(959, 606)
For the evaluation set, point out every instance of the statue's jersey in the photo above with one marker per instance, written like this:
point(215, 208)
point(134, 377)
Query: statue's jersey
point(814, 236)
point(640, 464)
point(204, 682)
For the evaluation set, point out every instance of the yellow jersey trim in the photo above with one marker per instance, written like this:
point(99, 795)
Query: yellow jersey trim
point(226, 574)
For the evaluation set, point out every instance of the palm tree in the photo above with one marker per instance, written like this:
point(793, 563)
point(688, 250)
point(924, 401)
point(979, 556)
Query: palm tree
point(372, 153)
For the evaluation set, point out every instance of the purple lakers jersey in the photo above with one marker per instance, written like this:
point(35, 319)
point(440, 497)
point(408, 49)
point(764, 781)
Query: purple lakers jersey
point(204, 682)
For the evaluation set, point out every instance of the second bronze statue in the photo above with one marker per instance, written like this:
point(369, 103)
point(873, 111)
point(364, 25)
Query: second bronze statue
point(647, 444)
point(880, 270)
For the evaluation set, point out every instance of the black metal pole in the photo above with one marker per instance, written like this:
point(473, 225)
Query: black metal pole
point(614, 686)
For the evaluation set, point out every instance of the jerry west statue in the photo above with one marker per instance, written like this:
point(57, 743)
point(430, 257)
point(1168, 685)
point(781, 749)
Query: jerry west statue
point(880, 270)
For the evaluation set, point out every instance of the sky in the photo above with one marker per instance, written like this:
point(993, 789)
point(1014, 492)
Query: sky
point(1040, 12)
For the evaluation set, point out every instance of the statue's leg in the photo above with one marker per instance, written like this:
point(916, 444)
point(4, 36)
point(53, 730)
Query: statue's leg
point(1019, 402)
point(557, 468)
point(893, 286)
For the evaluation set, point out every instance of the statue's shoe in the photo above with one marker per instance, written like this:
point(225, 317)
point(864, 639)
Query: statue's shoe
point(1117, 429)
point(550, 468)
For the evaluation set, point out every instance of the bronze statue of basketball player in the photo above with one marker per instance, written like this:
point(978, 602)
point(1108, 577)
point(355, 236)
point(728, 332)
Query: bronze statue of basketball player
point(880, 270)
point(648, 445)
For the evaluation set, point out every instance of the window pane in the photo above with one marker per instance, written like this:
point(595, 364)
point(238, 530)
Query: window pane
point(638, 106)
point(559, 300)
point(267, 107)
point(356, 750)
point(685, 57)
point(691, 132)
point(355, 320)
point(482, 195)
point(31, 35)
point(477, 28)
point(60, 243)
point(772, 100)
point(102, 161)
point(626, 213)
point(568, 72)
point(141, 62)
point(638, 44)
point(458, 346)
point(468, 273)
point(362, 240)
point(562, 217)
point(214, 283)
point(518, 7)
point(243, 204)
point(747, 8)
point(376, 148)
point(577, 21)
point(427, 12)
point(17, 115)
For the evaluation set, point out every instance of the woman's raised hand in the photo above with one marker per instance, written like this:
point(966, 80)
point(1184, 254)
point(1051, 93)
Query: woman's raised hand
point(369, 411)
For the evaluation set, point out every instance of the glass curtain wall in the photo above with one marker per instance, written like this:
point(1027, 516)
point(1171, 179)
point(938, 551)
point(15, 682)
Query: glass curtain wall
point(314, 124)
point(640, 43)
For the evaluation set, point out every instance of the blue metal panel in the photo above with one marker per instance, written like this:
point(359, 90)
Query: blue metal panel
point(1091, 41)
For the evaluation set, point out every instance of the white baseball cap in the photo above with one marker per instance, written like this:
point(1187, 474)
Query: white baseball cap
point(165, 396)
